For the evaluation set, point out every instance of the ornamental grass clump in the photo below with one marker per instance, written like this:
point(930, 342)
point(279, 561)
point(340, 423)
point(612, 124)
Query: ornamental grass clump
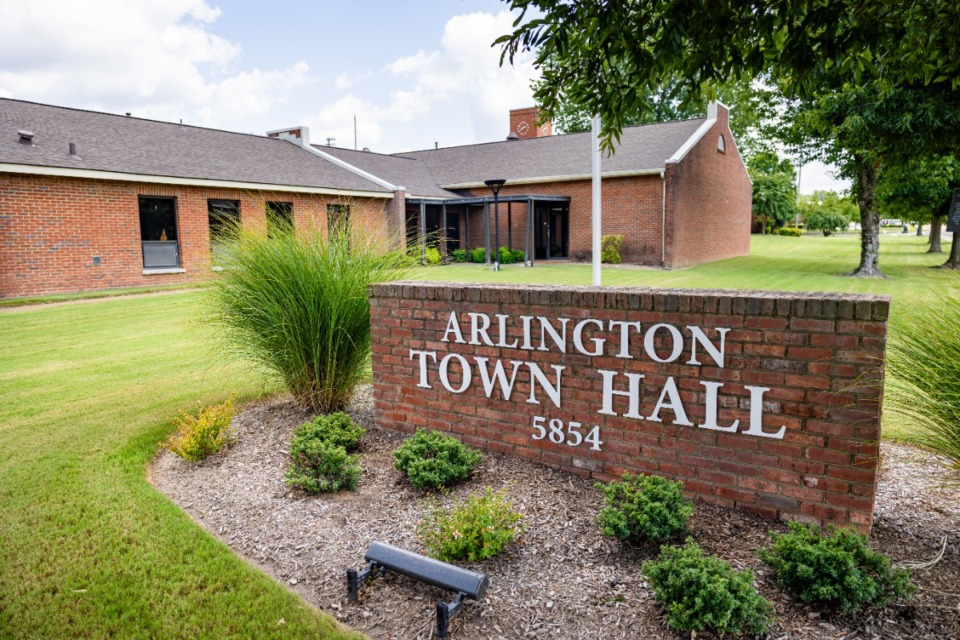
point(477, 528)
point(296, 303)
point(643, 509)
point(837, 569)
point(923, 385)
point(318, 451)
point(704, 593)
point(198, 436)
point(432, 460)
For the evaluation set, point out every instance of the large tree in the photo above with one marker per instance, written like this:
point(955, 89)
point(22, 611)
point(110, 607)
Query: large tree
point(920, 189)
point(774, 190)
point(607, 58)
point(863, 127)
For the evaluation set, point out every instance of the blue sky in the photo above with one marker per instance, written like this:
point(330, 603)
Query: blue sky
point(413, 73)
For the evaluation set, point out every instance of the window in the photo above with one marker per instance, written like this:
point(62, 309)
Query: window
point(721, 144)
point(338, 219)
point(279, 215)
point(158, 233)
point(222, 215)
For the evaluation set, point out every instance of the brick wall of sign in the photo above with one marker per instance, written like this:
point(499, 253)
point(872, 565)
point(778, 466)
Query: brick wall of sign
point(51, 229)
point(767, 402)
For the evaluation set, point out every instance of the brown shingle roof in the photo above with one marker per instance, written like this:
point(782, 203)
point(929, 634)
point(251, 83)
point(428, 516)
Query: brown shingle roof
point(107, 142)
point(410, 173)
point(642, 148)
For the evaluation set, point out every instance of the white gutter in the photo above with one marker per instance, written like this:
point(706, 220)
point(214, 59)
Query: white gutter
point(92, 174)
point(566, 178)
point(352, 169)
point(663, 221)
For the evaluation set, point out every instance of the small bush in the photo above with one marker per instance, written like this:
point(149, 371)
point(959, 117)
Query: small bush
point(643, 509)
point(837, 569)
point(432, 459)
point(334, 428)
point(477, 528)
point(207, 432)
point(506, 255)
point(478, 255)
point(433, 255)
point(703, 592)
point(321, 466)
point(788, 231)
point(519, 255)
point(459, 255)
point(610, 249)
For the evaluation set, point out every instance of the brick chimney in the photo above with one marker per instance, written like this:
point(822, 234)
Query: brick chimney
point(523, 122)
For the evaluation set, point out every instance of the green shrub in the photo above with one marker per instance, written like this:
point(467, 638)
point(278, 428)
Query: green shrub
point(432, 459)
point(478, 528)
point(837, 569)
point(610, 248)
point(506, 255)
point(459, 255)
point(297, 304)
point(519, 255)
point(643, 509)
point(788, 231)
point(319, 465)
point(923, 383)
point(478, 255)
point(334, 428)
point(198, 436)
point(433, 255)
point(701, 592)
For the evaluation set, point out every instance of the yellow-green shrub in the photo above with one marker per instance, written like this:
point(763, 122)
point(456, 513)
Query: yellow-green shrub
point(198, 436)
point(477, 528)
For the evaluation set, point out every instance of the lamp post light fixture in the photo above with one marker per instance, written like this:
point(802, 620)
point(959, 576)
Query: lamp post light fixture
point(495, 186)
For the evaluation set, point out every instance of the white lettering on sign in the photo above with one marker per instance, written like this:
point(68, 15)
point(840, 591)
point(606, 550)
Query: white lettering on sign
point(662, 343)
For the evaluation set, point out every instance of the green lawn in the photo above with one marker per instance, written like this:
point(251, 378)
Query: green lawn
point(89, 549)
point(810, 263)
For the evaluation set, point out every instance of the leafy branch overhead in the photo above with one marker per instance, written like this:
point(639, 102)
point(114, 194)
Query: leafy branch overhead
point(608, 57)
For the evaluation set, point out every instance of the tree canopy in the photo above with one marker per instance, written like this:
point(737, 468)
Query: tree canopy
point(774, 189)
point(603, 57)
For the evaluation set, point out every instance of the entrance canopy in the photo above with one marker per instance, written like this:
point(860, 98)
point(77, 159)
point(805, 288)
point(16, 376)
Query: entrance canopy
point(547, 232)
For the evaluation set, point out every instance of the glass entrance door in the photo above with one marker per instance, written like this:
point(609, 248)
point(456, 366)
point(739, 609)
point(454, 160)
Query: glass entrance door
point(552, 231)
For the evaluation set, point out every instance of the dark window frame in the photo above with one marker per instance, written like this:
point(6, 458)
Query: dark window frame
point(338, 215)
point(152, 249)
point(281, 210)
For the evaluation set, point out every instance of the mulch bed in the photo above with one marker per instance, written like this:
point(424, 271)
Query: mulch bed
point(563, 579)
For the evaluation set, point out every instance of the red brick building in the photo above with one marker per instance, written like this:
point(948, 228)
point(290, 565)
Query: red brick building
point(677, 192)
point(92, 200)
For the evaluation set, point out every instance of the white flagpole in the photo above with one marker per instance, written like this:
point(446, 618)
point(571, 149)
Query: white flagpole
point(595, 216)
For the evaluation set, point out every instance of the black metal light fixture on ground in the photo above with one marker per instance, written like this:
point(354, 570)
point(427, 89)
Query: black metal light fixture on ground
point(495, 186)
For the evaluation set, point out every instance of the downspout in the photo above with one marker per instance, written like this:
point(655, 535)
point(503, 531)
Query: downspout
point(663, 220)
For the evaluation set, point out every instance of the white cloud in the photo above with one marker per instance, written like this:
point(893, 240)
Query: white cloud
point(157, 58)
point(455, 94)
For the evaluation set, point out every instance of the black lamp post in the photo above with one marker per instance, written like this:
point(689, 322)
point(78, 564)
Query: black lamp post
point(495, 185)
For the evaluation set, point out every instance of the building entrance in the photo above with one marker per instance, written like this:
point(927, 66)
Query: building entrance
point(551, 238)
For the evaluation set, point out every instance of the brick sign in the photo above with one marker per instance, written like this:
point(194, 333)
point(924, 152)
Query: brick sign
point(767, 402)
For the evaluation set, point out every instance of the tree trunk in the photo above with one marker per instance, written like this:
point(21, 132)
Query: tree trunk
point(919, 230)
point(953, 262)
point(935, 228)
point(869, 220)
